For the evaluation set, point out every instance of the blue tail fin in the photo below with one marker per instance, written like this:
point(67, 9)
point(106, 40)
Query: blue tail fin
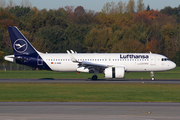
point(24, 52)
point(20, 45)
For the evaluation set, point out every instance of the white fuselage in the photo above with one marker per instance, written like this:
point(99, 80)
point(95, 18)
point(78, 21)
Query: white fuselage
point(130, 61)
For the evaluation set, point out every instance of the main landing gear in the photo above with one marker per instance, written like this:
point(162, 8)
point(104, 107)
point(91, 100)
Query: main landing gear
point(152, 76)
point(94, 77)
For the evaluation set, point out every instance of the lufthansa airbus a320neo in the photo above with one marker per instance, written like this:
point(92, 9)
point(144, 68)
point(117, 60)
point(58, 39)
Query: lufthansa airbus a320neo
point(113, 65)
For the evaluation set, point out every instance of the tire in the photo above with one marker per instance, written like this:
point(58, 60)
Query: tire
point(94, 77)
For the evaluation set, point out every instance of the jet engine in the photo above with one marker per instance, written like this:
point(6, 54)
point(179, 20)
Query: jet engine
point(114, 72)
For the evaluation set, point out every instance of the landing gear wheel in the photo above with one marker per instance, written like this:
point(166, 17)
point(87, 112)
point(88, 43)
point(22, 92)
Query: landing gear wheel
point(94, 77)
point(152, 76)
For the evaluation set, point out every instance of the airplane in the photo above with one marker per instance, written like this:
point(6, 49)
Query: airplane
point(113, 65)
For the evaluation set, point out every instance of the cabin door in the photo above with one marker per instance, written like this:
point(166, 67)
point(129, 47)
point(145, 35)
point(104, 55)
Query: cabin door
point(152, 60)
point(39, 60)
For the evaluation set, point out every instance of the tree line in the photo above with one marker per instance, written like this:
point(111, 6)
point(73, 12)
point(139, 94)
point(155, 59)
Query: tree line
point(122, 27)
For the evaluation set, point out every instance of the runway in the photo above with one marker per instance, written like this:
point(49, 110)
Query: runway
point(88, 111)
point(51, 80)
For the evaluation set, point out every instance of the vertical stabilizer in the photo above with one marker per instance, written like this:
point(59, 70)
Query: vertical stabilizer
point(20, 45)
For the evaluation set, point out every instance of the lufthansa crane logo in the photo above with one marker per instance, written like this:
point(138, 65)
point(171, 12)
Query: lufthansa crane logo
point(20, 45)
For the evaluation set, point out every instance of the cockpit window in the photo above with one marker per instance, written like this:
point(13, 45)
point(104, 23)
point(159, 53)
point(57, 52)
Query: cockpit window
point(165, 59)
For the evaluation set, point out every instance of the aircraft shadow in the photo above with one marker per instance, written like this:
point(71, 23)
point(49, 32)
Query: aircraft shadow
point(46, 79)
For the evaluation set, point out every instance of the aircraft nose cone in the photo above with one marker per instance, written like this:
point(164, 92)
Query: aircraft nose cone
point(172, 65)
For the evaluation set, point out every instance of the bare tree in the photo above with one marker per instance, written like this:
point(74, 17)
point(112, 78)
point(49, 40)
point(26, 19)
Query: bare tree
point(10, 4)
point(120, 7)
point(130, 6)
point(106, 8)
point(110, 8)
point(2, 3)
point(26, 3)
point(140, 6)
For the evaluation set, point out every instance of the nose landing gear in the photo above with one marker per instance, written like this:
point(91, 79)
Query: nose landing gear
point(152, 76)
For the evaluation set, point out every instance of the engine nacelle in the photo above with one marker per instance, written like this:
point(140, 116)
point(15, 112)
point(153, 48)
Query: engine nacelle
point(116, 72)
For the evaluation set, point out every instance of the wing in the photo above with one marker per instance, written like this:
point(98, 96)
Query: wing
point(89, 65)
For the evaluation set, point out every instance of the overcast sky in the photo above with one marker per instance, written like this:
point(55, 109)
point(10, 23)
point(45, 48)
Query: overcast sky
point(96, 5)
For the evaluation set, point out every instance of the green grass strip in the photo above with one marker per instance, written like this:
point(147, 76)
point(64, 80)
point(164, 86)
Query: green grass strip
point(173, 74)
point(77, 92)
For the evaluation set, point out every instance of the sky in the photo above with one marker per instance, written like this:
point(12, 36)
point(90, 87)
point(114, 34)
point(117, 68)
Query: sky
point(95, 5)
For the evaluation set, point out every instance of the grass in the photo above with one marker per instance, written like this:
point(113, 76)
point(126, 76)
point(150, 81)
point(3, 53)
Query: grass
point(43, 74)
point(83, 92)
point(173, 74)
point(77, 92)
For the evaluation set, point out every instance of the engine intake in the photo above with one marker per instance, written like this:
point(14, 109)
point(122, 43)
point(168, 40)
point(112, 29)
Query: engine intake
point(114, 72)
